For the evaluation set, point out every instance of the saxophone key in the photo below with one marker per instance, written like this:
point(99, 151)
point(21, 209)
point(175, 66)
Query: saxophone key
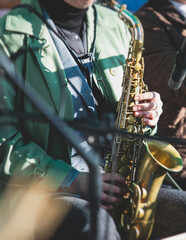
point(147, 204)
point(143, 193)
point(134, 83)
point(131, 119)
point(125, 159)
point(131, 104)
point(124, 170)
point(141, 213)
point(122, 220)
point(127, 147)
point(134, 233)
point(131, 129)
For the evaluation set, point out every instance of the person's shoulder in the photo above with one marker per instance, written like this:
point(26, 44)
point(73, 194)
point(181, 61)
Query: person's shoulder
point(108, 18)
point(105, 10)
point(12, 29)
point(106, 13)
point(17, 11)
point(10, 19)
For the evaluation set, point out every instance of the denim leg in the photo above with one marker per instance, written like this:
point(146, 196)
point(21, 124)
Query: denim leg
point(170, 216)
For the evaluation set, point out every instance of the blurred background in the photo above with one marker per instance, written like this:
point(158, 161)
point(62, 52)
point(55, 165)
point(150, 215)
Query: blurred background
point(5, 5)
point(132, 5)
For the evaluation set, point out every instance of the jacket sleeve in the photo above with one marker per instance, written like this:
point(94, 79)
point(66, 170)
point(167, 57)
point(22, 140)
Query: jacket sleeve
point(22, 161)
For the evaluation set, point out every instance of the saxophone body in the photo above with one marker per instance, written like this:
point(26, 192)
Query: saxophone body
point(144, 163)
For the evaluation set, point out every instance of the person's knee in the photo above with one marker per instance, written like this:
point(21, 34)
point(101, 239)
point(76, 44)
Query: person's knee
point(75, 224)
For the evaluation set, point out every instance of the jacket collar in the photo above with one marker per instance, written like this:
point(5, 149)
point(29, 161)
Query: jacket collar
point(28, 21)
point(32, 25)
point(24, 22)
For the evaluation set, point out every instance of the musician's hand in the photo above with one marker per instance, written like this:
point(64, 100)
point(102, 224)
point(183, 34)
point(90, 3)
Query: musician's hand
point(110, 193)
point(149, 107)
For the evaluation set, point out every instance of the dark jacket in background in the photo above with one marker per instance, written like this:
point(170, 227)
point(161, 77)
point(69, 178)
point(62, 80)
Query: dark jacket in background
point(165, 29)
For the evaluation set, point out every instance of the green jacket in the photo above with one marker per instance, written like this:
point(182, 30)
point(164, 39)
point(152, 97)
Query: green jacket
point(27, 145)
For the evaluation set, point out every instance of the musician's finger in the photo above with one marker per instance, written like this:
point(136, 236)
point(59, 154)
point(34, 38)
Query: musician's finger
point(151, 122)
point(109, 188)
point(145, 106)
point(107, 207)
point(152, 96)
point(148, 114)
point(109, 199)
point(115, 177)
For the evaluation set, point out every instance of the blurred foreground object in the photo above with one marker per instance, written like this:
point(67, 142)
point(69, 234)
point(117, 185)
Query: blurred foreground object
point(19, 213)
point(133, 5)
point(8, 3)
point(5, 5)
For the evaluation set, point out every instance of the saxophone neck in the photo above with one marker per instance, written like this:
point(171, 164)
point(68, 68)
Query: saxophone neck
point(137, 50)
point(133, 21)
point(135, 28)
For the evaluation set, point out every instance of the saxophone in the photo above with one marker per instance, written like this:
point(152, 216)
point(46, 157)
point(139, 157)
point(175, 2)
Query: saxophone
point(143, 162)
